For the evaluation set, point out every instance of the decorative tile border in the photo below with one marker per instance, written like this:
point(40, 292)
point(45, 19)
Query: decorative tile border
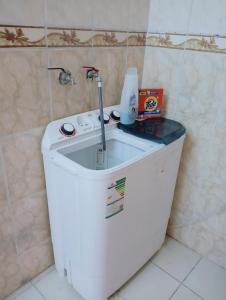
point(28, 36)
point(69, 38)
point(106, 39)
point(166, 40)
point(214, 44)
point(15, 37)
point(137, 39)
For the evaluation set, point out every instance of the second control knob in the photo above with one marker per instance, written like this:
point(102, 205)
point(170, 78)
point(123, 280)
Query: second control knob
point(106, 118)
point(115, 115)
point(67, 129)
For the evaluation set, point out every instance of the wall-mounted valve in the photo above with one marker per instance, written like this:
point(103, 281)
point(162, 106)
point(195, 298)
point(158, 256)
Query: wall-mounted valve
point(65, 77)
point(91, 72)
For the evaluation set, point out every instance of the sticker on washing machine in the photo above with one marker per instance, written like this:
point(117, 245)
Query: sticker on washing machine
point(115, 199)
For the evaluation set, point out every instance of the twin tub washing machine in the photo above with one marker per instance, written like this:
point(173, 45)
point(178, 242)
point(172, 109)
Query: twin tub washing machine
point(108, 214)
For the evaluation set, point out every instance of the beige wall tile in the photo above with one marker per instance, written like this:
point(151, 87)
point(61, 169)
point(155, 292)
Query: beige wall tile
point(36, 260)
point(2, 184)
point(135, 58)
point(69, 100)
point(11, 277)
point(120, 15)
point(23, 12)
point(202, 12)
point(99, 14)
point(70, 13)
point(32, 221)
point(138, 15)
point(191, 80)
point(169, 16)
point(7, 230)
point(23, 91)
point(23, 163)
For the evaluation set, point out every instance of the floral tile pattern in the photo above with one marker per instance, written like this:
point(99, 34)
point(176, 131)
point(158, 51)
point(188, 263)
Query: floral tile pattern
point(69, 38)
point(109, 38)
point(137, 39)
point(190, 42)
point(166, 40)
point(25, 36)
point(21, 37)
point(201, 43)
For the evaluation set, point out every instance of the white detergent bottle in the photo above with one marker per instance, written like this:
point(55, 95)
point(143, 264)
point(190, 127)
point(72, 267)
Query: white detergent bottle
point(129, 97)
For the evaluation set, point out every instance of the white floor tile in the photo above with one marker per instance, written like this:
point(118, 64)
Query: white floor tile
point(185, 294)
point(176, 259)
point(150, 283)
point(208, 280)
point(19, 291)
point(53, 287)
point(43, 274)
point(29, 294)
point(116, 297)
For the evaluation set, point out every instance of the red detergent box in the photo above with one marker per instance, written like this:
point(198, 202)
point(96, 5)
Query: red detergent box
point(150, 103)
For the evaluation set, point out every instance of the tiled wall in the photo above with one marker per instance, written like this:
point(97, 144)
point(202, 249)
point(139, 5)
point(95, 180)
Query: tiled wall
point(188, 66)
point(35, 35)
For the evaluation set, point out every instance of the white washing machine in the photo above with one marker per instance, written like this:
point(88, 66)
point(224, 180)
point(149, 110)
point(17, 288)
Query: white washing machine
point(108, 217)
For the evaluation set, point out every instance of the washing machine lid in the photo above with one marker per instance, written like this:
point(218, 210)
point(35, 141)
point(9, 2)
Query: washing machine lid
point(159, 130)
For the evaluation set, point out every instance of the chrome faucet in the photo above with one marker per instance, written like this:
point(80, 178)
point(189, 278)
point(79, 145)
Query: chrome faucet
point(65, 76)
point(92, 73)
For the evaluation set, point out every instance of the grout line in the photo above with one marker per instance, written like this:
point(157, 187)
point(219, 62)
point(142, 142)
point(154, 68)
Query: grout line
point(19, 291)
point(166, 272)
point(21, 49)
point(201, 256)
point(193, 291)
point(189, 274)
point(49, 86)
point(198, 261)
point(167, 234)
point(175, 291)
point(8, 198)
point(181, 283)
point(188, 23)
point(40, 293)
point(45, 22)
point(16, 134)
point(43, 274)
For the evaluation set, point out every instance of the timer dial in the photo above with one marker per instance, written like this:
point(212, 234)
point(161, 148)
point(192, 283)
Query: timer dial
point(67, 129)
point(106, 118)
point(115, 115)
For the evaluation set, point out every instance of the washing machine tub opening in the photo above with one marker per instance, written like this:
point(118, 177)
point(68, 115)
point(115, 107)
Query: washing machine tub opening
point(94, 158)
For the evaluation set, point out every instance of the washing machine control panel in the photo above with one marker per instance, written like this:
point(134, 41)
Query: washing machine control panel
point(83, 123)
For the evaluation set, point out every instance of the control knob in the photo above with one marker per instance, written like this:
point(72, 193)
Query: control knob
point(106, 118)
point(67, 129)
point(115, 115)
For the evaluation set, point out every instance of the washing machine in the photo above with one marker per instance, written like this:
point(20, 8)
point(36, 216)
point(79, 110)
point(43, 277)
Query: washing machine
point(108, 211)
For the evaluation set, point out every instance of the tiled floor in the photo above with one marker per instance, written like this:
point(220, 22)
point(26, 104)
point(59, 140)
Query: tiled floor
point(175, 273)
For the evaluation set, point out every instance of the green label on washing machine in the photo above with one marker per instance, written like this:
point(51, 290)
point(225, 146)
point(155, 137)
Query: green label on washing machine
point(115, 199)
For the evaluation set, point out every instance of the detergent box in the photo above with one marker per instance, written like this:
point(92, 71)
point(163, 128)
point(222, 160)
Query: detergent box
point(150, 102)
